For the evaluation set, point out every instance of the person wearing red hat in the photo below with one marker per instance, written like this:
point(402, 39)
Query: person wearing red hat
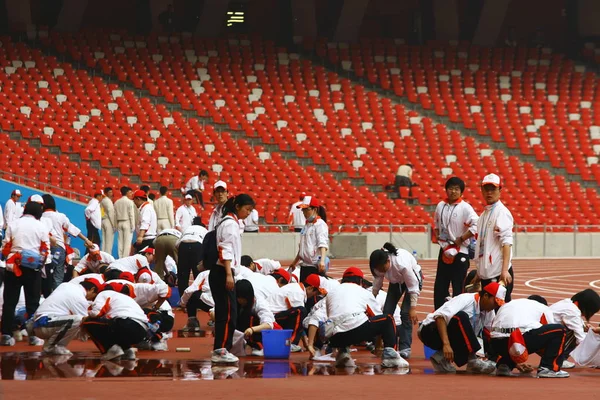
point(134, 263)
point(493, 252)
point(452, 329)
point(59, 317)
point(115, 322)
point(93, 218)
point(349, 315)
point(314, 240)
point(147, 221)
point(26, 250)
point(288, 305)
point(526, 326)
point(297, 220)
point(455, 223)
point(91, 262)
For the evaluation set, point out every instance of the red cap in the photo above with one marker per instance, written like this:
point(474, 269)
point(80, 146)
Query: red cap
point(116, 286)
point(309, 201)
point(147, 249)
point(282, 273)
point(95, 282)
point(313, 280)
point(140, 193)
point(127, 276)
point(353, 271)
point(496, 290)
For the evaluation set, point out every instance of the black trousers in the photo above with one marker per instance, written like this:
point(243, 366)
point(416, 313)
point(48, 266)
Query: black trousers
point(509, 288)
point(447, 274)
point(460, 334)
point(105, 333)
point(31, 281)
point(548, 341)
point(311, 301)
point(189, 257)
point(146, 242)
point(292, 319)
point(248, 320)
point(308, 270)
point(195, 303)
point(225, 308)
point(93, 234)
point(379, 325)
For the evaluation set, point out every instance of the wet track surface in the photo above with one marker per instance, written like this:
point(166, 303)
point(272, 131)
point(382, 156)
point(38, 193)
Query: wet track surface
point(36, 366)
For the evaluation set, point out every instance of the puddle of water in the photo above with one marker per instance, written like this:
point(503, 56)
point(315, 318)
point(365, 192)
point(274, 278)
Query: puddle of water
point(36, 366)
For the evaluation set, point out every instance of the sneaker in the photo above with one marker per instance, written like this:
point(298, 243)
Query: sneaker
point(114, 352)
point(129, 354)
point(405, 353)
point(568, 364)
point(193, 325)
point(160, 346)
point(258, 353)
point(548, 373)
point(343, 359)
point(7, 340)
point(35, 341)
point(440, 364)
point(294, 348)
point(503, 370)
point(477, 366)
point(223, 356)
point(391, 359)
point(370, 346)
point(57, 350)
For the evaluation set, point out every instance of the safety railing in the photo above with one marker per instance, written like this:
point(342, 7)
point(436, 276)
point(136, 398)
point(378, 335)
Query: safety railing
point(43, 186)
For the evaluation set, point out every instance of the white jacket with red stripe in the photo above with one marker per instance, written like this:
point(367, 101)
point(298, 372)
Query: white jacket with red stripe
point(110, 304)
point(288, 296)
point(200, 283)
point(67, 299)
point(524, 314)
point(348, 307)
point(130, 264)
point(25, 233)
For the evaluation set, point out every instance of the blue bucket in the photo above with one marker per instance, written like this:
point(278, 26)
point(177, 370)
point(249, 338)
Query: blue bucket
point(428, 352)
point(276, 369)
point(175, 296)
point(276, 343)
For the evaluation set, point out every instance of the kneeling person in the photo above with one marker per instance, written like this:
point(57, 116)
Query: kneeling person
point(59, 317)
point(453, 328)
point(350, 315)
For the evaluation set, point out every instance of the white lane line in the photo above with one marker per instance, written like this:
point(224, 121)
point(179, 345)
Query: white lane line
point(530, 282)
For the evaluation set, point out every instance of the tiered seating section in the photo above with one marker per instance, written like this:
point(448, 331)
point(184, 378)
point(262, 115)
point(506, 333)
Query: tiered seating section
point(248, 84)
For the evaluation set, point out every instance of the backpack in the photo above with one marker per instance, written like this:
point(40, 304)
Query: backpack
point(210, 251)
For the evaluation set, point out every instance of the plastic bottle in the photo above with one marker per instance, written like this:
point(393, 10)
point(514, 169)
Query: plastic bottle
point(154, 327)
point(414, 253)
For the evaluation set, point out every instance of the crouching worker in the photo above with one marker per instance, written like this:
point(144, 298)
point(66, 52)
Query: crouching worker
point(59, 317)
point(526, 326)
point(116, 322)
point(254, 316)
point(350, 315)
point(453, 328)
point(196, 297)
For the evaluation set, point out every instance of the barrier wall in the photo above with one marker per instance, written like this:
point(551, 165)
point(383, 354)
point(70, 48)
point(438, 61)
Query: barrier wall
point(284, 246)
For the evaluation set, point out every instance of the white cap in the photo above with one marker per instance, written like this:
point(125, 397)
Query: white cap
point(219, 184)
point(188, 197)
point(36, 198)
point(94, 249)
point(16, 192)
point(491, 179)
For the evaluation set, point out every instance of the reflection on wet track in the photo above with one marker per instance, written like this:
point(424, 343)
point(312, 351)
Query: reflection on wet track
point(35, 365)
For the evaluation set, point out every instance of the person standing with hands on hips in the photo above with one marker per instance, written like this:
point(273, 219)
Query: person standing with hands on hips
point(221, 277)
point(493, 253)
point(314, 240)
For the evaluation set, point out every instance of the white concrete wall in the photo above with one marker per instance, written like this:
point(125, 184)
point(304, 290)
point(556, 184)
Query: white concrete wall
point(284, 246)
